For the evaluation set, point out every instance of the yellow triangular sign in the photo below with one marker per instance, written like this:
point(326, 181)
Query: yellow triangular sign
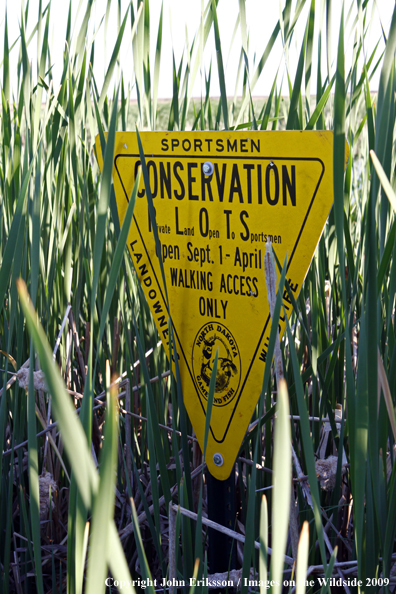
point(218, 197)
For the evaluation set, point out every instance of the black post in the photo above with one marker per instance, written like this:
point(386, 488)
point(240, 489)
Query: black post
point(221, 509)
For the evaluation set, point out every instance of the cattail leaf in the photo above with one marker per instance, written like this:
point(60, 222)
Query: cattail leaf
point(302, 559)
point(72, 433)
point(112, 63)
point(223, 92)
point(282, 486)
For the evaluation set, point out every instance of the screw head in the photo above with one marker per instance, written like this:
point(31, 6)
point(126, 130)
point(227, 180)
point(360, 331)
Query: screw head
point(207, 168)
point(218, 459)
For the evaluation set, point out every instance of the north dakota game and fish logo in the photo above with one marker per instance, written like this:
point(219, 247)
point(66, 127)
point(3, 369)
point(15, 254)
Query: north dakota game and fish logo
point(210, 337)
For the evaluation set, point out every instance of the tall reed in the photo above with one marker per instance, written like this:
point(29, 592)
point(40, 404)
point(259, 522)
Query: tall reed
point(86, 496)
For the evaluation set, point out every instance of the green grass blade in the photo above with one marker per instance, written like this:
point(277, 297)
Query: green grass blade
point(157, 68)
point(274, 327)
point(263, 556)
point(144, 566)
point(391, 524)
point(293, 122)
point(9, 251)
point(385, 183)
point(329, 572)
point(307, 443)
point(103, 204)
point(329, 4)
point(74, 439)
point(320, 106)
point(117, 562)
point(223, 92)
point(248, 548)
point(282, 486)
point(103, 505)
point(309, 51)
point(209, 406)
point(242, 18)
point(117, 259)
point(82, 35)
point(34, 477)
point(6, 62)
point(113, 62)
point(302, 559)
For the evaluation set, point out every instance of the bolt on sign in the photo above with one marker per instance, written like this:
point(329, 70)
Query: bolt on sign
point(218, 198)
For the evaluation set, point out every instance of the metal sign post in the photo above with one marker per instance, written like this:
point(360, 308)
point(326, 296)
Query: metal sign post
point(221, 509)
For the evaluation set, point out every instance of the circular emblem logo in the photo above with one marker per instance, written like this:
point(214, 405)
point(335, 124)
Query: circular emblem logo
point(210, 337)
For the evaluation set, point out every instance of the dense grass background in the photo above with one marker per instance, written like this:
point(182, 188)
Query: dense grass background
point(113, 474)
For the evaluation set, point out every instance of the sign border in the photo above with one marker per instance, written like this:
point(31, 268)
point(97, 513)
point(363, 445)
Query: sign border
point(233, 158)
